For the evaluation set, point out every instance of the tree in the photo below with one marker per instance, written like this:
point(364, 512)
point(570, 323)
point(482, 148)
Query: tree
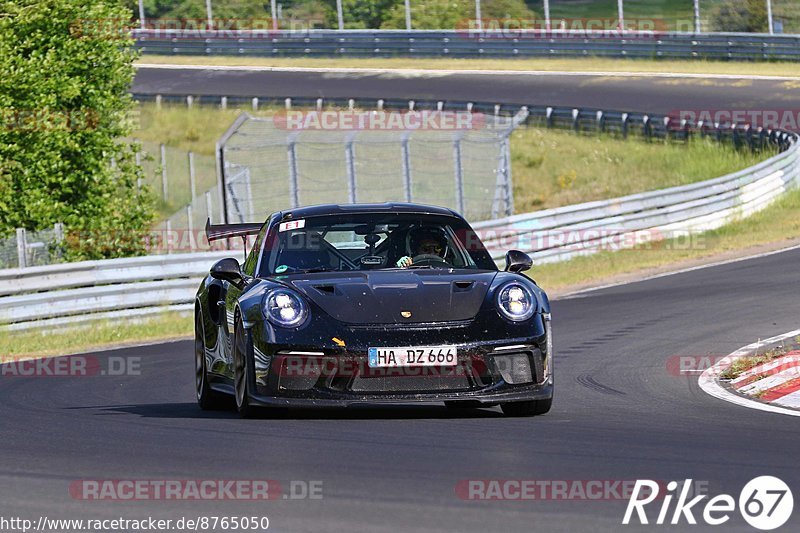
point(65, 74)
point(450, 14)
point(740, 16)
point(367, 14)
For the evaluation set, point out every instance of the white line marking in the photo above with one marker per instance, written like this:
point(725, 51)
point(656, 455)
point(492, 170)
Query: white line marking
point(709, 384)
point(582, 292)
point(790, 400)
point(442, 72)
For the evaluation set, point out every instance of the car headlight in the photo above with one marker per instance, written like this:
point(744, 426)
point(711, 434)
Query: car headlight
point(516, 302)
point(284, 308)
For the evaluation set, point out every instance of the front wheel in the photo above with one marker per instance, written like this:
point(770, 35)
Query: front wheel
point(241, 381)
point(529, 408)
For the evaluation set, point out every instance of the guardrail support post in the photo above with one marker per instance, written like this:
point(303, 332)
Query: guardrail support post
point(22, 248)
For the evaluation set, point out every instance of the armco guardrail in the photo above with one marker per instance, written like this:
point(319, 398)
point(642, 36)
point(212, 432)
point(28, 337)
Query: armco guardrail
point(74, 293)
point(561, 233)
point(470, 43)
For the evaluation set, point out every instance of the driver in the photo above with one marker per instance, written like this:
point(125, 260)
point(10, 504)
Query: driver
point(425, 241)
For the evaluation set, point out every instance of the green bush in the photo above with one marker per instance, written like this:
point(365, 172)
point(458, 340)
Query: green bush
point(448, 14)
point(65, 72)
point(740, 16)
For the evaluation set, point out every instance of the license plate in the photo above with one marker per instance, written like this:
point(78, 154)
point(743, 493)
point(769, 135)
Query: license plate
point(412, 356)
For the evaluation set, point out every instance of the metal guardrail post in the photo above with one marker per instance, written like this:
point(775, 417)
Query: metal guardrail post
point(22, 248)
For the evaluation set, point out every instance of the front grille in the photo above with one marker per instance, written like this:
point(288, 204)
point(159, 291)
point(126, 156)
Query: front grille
point(409, 384)
point(520, 367)
point(468, 374)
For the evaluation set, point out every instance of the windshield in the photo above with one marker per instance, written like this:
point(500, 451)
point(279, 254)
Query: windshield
point(372, 241)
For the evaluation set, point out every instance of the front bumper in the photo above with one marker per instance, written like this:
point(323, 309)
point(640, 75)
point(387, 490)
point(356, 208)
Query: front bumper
point(486, 374)
point(488, 398)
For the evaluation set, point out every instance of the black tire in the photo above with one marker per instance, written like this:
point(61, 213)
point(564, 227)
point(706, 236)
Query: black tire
point(241, 373)
point(530, 408)
point(207, 399)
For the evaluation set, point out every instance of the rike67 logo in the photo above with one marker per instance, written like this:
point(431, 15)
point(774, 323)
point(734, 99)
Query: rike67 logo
point(765, 503)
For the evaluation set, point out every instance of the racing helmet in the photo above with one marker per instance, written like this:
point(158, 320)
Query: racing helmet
point(417, 235)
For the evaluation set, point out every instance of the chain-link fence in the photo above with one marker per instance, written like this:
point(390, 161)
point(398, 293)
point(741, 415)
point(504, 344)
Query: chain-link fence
point(269, 165)
point(600, 15)
point(174, 175)
point(24, 249)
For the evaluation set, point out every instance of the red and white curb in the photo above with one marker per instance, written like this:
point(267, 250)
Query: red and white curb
point(776, 382)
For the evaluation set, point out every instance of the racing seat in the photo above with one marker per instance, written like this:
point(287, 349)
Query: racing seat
point(304, 258)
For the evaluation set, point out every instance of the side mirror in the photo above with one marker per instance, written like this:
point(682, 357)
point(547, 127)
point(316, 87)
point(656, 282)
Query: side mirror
point(228, 270)
point(517, 261)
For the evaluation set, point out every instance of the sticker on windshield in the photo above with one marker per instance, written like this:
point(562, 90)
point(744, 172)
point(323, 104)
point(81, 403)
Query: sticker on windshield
point(294, 224)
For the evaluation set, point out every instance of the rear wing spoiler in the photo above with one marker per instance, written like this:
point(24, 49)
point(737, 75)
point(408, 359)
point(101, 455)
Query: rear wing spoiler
point(215, 232)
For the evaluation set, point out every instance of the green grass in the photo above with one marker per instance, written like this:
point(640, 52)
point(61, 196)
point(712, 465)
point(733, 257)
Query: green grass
point(182, 130)
point(41, 343)
point(777, 224)
point(552, 168)
point(743, 364)
point(544, 64)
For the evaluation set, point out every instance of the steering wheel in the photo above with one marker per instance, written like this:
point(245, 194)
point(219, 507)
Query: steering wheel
point(428, 260)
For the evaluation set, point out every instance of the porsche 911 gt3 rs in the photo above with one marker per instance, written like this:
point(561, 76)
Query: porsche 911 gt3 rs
point(337, 305)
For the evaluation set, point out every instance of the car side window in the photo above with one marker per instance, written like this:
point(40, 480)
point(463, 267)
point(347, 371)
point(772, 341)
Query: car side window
point(249, 267)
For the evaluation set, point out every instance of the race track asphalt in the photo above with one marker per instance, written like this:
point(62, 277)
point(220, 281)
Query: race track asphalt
point(643, 93)
point(620, 413)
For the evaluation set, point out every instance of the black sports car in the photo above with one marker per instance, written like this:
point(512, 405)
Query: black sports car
point(373, 303)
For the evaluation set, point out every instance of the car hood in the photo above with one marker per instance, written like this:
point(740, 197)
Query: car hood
point(386, 296)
